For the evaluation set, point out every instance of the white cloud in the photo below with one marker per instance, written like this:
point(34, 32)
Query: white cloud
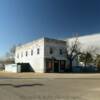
point(89, 41)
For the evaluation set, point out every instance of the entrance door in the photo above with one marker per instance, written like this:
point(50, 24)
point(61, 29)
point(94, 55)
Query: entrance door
point(49, 66)
point(62, 66)
point(56, 66)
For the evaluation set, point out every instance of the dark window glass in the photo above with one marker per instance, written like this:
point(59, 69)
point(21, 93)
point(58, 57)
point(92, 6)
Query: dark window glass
point(31, 52)
point(26, 53)
point(60, 51)
point(62, 65)
point(38, 51)
point(51, 51)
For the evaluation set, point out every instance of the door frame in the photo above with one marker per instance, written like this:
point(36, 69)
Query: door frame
point(58, 67)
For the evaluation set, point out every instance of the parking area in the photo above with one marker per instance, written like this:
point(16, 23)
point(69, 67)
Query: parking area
point(49, 86)
point(50, 89)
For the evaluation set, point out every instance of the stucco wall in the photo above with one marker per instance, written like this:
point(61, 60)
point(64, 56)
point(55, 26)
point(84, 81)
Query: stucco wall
point(56, 45)
point(36, 60)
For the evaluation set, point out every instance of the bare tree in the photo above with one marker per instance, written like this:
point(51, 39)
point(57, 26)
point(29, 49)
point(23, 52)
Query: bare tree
point(10, 55)
point(72, 51)
point(12, 51)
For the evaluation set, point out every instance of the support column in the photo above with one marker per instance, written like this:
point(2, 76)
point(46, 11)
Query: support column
point(59, 65)
point(52, 65)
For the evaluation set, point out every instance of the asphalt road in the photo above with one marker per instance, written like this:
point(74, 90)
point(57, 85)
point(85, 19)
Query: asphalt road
point(50, 89)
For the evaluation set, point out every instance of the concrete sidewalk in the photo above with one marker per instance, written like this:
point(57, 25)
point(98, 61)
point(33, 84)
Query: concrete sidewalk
point(48, 75)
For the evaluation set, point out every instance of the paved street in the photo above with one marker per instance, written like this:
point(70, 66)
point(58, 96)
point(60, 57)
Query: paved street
point(72, 88)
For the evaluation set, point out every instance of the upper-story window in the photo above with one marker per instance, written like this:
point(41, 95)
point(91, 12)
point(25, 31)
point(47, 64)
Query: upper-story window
point(17, 55)
point(22, 54)
point(38, 51)
point(31, 52)
point(26, 53)
point(51, 51)
point(60, 51)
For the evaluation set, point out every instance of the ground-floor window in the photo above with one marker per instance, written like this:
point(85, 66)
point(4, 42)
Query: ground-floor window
point(62, 66)
point(48, 65)
point(53, 65)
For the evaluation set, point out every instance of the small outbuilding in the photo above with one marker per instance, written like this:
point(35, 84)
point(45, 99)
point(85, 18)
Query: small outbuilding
point(12, 68)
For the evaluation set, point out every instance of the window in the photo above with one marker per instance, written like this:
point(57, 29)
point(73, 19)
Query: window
point(22, 54)
point(60, 52)
point(62, 65)
point(38, 51)
point(31, 52)
point(26, 53)
point(51, 51)
point(17, 55)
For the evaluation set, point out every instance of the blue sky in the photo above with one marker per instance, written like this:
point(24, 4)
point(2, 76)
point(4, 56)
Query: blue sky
point(24, 20)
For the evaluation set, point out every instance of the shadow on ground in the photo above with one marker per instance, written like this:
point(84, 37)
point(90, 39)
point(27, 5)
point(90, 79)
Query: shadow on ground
point(22, 85)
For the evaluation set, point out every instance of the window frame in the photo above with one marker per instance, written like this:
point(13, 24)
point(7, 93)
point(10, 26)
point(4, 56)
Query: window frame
point(26, 54)
point(31, 52)
point(17, 55)
point(38, 50)
point(50, 50)
point(61, 51)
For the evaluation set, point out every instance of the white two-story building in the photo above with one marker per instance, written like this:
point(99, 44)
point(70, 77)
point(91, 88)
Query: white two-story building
point(43, 55)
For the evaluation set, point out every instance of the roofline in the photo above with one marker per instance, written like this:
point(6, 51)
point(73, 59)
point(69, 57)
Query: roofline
point(35, 40)
point(42, 38)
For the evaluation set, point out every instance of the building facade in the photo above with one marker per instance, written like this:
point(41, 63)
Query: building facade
point(43, 55)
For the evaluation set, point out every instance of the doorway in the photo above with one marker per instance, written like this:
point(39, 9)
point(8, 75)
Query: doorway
point(56, 66)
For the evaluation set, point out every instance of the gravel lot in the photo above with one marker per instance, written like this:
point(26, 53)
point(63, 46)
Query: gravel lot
point(78, 87)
